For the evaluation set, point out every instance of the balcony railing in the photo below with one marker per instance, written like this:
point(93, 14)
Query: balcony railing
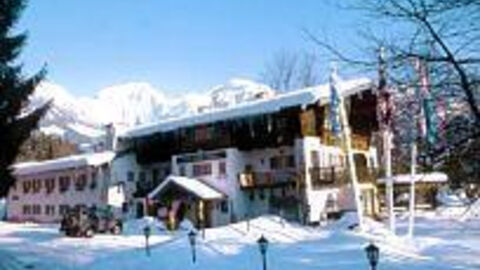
point(266, 179)
point(360, 142)
point(325, 176)
point(367, 175)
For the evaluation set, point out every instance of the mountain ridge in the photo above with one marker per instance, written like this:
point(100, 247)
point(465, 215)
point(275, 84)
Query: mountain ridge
point(82, 119)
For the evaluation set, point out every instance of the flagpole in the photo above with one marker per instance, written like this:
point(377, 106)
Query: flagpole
point(411, 219)
point(346, 134)
point(388, 175)
point(351, 165)
point(385, 122)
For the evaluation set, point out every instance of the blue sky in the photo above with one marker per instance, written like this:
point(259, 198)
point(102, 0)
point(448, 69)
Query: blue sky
point(176, 45)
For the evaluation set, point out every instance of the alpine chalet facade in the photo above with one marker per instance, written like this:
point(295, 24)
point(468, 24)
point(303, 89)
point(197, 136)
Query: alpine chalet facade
point(270, 155)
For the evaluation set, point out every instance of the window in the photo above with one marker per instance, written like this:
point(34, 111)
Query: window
point(124, 207)
point(224, 206)
point(81, 182)
point(93, 183)
point(36, 185)
point(49, 185)
point(201, 133)
point(274, 164)
point(93, 180)
point(63, 209)
point(142, 177)
point(251, 195)
point(290, 161)
point(282, 162)
point(26, 186)
point(181, 170)
point(210, 132)
point(222, 168)
point(261, 194)
point(50, 210)
point(36, 209)
point(64, 183)
point(314, 158)
point(202, 169)
point(26, 210)
point(130, 176)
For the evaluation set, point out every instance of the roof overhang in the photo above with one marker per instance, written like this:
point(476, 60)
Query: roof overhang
point(75, 161)
point(193, 186)
point(303, 97)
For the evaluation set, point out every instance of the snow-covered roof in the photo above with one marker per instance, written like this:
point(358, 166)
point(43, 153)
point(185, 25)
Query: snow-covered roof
point(434, 177)
point(192, 185)
point(301, 97)
point(86, 130)
point(91, 159)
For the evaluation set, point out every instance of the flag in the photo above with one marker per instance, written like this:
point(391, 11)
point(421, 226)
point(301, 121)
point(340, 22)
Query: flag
point(334, 113)
point(428, 123)
point(430, 119)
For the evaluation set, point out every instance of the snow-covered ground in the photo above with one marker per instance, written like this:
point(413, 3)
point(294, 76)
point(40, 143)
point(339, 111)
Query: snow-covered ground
point(440, 243)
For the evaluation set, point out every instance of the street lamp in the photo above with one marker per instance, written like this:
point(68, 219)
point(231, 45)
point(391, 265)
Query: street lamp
point(147, 232)
point(263, 246)
point(192, 238)
point(373, 253)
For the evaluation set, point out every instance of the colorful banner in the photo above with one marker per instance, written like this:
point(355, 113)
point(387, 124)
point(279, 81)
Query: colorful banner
point(334, 105)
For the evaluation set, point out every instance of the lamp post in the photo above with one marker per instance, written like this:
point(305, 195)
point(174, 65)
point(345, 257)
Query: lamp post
point(192, 239)
point(147, 232)
point(263, 246)
point(373, 253)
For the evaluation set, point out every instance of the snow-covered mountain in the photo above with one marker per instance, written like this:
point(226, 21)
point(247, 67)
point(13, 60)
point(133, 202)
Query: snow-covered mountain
point(81, 119)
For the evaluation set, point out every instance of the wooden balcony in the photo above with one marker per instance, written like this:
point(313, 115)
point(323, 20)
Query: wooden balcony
point(328, 176)
point(360, 142)
point(367, 175)
point(266, 179)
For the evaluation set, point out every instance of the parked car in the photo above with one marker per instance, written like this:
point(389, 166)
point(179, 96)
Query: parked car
point(85, 222)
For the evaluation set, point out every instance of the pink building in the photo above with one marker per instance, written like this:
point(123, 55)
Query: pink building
point(45, 190)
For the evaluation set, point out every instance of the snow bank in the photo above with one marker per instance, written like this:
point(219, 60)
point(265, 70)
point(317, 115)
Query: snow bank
point(136, 226)
point(473, 211)
point(186, 225)
point(292, 246)
point(447, 197)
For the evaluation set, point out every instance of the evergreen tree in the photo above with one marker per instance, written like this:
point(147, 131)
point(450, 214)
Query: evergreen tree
point(16, 123)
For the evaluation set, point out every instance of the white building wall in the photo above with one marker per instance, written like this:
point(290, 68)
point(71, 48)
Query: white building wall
point(240, 203)
point(98, 196)
point(126, 171)
point(328, 156)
